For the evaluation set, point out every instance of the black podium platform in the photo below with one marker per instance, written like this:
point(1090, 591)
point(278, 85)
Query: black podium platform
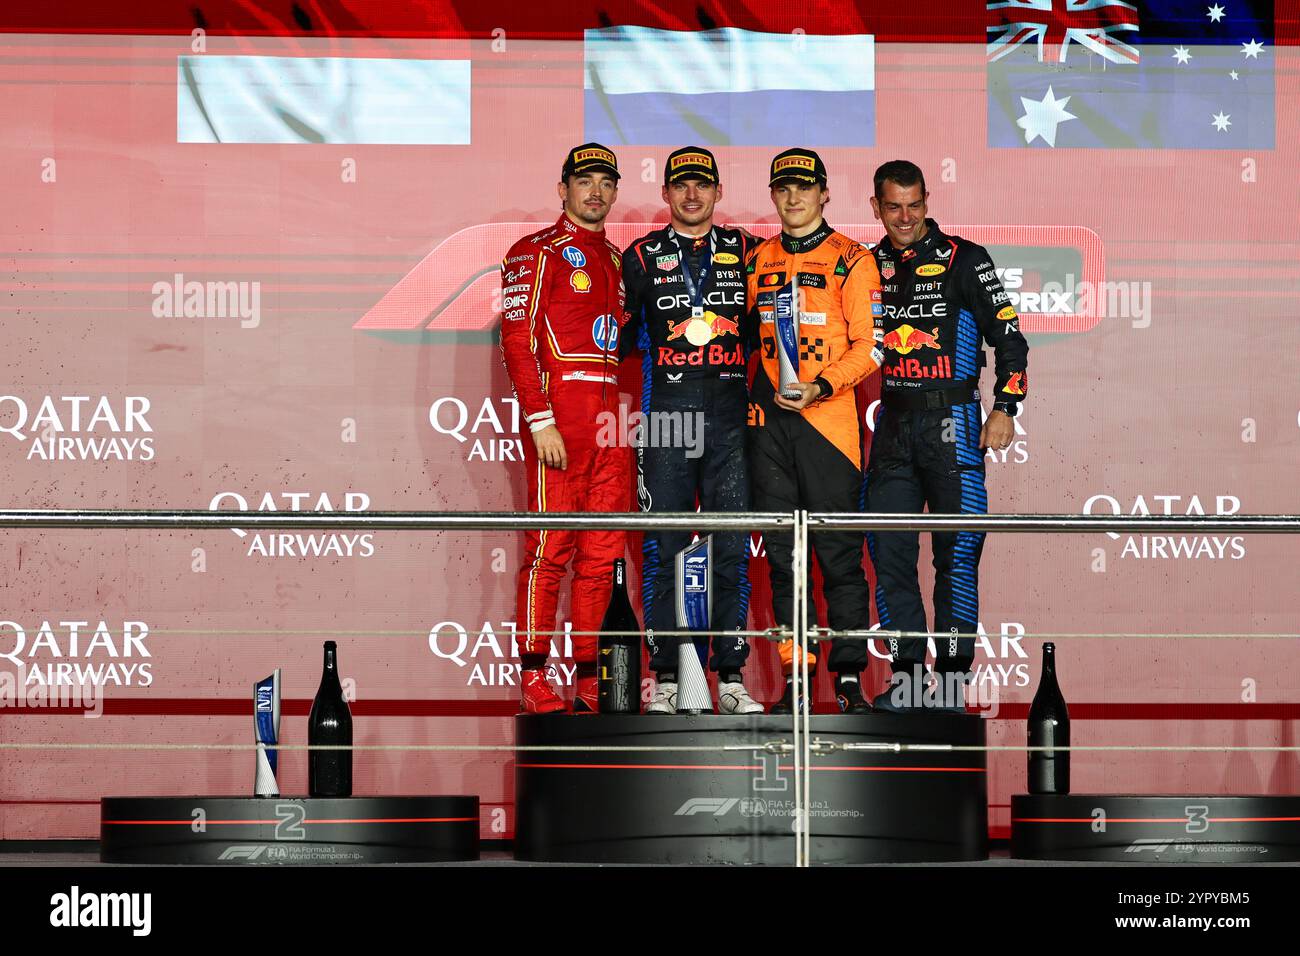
point(735, 806)
point(288, 830)
point(1156, 829)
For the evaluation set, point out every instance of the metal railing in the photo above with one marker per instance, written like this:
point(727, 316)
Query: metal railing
point(635, 521)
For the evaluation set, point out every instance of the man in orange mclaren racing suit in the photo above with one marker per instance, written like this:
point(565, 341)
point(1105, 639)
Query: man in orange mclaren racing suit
point(941, 297)
point(807, 453)
point(562, 296)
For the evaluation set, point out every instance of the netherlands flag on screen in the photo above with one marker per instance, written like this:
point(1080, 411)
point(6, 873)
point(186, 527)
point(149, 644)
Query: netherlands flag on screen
point(728, 87)
point(1127, 75)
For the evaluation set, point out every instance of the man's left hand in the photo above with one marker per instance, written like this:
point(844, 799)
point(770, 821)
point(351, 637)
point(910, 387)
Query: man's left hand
point(809, 393)
point(749, 236)
point(998, 431)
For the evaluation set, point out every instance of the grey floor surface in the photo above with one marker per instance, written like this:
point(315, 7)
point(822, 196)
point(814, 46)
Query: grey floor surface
point(999, 859)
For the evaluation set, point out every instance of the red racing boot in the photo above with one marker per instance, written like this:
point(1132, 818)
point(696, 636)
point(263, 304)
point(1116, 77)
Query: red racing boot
point(538, 696)
point(586, 698)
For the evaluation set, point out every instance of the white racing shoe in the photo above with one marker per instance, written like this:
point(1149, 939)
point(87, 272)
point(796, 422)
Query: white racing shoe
point(665, 699)
point(734, 699)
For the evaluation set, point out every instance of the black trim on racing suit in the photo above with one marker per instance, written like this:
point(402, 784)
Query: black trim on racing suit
point(695, 402)
point(940, 297)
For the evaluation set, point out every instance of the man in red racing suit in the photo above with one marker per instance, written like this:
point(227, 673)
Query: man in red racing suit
point(562, 299)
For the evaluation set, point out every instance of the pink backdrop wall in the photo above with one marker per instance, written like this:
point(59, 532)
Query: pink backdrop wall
point(377, 300)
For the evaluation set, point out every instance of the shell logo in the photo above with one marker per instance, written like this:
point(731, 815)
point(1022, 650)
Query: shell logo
point(580, 281)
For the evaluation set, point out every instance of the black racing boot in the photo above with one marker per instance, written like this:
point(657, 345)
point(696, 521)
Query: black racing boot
point(905, 693)
point(786, 704)
point(848, 694)
point(949, 696)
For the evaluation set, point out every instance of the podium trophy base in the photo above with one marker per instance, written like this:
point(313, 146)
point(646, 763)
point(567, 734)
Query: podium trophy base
point(736, 805)
point(1155, 829)
point(288, 830)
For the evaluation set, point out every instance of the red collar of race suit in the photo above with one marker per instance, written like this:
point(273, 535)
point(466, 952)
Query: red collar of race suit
point(579, 234)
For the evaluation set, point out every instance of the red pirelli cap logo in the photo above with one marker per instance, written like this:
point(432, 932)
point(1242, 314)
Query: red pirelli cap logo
point(798, 162)
point(595, 155)
point(692, 159)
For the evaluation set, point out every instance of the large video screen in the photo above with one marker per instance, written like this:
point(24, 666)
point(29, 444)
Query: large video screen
point(252, 264)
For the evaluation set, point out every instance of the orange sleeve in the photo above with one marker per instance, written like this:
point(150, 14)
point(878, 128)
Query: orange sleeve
point(860, 291)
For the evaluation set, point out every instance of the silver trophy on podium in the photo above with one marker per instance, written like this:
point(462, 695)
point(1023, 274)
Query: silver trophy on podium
point(788, 308)
point(694, 605)
point(266, 730)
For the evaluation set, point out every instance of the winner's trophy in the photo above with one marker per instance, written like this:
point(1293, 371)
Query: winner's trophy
point(694, 598)
point(266, 728)
point(786, 314)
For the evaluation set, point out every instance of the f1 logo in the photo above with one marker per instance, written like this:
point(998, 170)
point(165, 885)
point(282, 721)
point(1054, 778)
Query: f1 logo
point(251, 852)
point(697, 568)
point(717, 806)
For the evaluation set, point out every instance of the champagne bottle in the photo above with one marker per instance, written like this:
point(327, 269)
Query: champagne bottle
point(619, 676)
point(1049, 726)
point(329, 772)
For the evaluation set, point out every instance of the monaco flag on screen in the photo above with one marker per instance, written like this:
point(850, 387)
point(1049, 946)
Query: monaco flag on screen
point(728, 87)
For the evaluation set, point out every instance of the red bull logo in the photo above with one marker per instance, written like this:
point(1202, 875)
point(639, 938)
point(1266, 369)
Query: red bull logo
point(677, 329)
point(914, 368)
point(905, 338)
point(1017, 383)
point(715, 354)
point(724, 326)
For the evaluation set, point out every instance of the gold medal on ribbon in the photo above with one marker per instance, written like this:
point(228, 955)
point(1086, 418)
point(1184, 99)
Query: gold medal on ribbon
point(701, 329)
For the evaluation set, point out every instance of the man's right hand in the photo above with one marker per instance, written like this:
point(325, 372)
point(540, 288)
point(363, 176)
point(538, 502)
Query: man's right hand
point(550, 448)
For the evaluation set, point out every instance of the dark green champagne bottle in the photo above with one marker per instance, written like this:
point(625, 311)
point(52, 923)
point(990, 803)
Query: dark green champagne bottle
point(1049, 726)
point(619, 657)
point(329, 772)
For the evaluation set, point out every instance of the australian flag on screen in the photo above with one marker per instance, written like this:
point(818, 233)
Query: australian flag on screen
point(728, 87)
point(1140, 75)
